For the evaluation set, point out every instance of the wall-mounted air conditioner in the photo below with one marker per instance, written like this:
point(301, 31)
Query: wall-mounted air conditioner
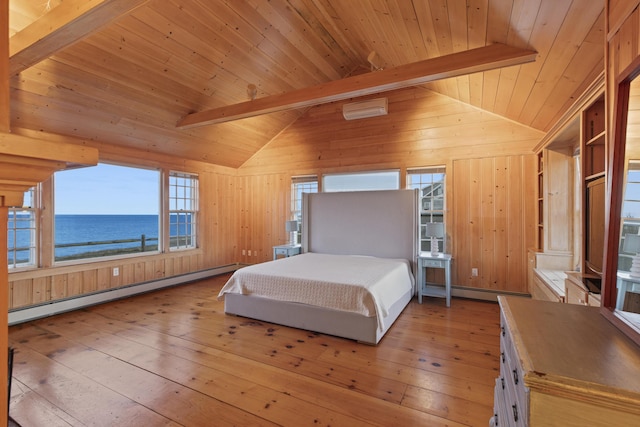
point(363, 109)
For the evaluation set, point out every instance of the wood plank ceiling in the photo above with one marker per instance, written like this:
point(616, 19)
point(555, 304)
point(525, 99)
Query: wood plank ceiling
point(130, 81)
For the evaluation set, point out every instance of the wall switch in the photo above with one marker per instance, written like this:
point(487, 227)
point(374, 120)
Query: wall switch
point(244, 252)
point(116, 271)
point(474, 272)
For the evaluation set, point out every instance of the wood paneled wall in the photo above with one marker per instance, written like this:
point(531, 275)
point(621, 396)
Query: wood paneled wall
point(490, 176)
point(218, 222)
point(422, 128)
point(493, 221)
point(264, 206)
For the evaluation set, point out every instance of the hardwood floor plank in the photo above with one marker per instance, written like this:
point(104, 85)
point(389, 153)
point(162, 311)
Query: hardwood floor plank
point(470, 387)
point(278, 346)
point(33, 410)
point(450, 407)
point(81, 398)
point(245, 395)
point(173, 357)
point(169, 399)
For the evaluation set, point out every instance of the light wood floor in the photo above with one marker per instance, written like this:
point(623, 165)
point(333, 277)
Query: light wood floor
point(174, 358)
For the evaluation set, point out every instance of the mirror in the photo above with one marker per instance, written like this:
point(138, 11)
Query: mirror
point(622, 275)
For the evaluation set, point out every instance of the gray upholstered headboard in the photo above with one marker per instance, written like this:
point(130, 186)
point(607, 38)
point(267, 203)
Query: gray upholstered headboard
point(376, 223)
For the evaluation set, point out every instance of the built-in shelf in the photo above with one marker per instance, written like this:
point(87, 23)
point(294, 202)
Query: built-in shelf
point(596, 140)
point(540, 191)
point(594, 176)
point(593, 153)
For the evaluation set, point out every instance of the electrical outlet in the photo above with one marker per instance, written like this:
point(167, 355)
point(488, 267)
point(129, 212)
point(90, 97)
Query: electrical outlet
point(249, 252)
point(116, 271)
point(244, 252)
point(474, 272)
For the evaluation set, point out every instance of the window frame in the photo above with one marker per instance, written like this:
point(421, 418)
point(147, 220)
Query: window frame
point(300, 185)
point(428, 215)
point(191, 239)
point(31, 205)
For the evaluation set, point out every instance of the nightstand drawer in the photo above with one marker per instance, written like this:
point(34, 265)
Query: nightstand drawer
point(432, 263)
point(286, 250)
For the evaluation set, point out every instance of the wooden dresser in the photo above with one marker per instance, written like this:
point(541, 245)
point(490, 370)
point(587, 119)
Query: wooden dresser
point(564, 365)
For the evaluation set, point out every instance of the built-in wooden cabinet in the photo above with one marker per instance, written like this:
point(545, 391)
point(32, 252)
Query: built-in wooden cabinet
point(548, 285)
point(540, 212)
point(570, 202)
point(582, 288)
point(557, 198)
point(593, 138)
point(593, 155)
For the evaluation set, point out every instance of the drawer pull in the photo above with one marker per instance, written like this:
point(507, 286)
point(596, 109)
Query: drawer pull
point(515, 412)
point(515, 376)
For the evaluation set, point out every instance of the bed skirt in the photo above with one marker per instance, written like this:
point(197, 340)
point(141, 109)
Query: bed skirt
point(312, 318)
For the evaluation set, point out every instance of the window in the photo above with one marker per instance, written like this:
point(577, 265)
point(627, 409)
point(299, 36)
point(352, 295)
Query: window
point(22, 233)
point(364, 181)
point(300, 185)
point(106, 210)
point(183, 210)
point(431, 184)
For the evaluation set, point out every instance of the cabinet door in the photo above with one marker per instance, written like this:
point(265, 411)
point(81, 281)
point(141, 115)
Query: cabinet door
point(558, 198)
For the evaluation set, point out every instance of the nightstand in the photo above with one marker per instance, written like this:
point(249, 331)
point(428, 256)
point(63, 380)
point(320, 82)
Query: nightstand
point(286, 250)
point(439, 260)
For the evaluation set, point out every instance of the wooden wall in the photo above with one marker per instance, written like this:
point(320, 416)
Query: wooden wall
point(493, 221)
point(490, 176)
point(218, 222)
point(264, 205)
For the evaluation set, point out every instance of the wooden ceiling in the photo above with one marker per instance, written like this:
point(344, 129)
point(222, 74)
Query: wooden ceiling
point(124, 73)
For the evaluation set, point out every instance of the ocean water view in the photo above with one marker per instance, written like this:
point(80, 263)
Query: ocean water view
point(74, 229)
point(79, 236)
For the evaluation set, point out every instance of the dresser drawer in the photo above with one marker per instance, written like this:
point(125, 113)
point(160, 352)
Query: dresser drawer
point(500, 414)
point(512, 374)
point(516, 412)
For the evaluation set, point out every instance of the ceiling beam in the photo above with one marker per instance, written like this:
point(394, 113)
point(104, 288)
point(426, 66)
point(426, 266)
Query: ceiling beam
point(64, 25)
point(37, 150)
point(457, 64)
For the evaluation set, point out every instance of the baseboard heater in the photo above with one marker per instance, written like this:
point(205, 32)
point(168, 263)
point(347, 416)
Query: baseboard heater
point(26, 314)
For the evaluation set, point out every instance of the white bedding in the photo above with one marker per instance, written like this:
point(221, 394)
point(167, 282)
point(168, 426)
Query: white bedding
point(359, 284)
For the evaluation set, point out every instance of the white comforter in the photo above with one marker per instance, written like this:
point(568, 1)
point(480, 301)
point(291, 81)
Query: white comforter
point(360, 284)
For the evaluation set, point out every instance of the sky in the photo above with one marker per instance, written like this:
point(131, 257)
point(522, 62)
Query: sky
point(107, 189)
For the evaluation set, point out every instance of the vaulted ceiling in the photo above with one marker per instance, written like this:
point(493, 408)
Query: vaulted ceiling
point(126, 72)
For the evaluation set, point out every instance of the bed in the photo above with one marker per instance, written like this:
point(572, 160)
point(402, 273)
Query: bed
point(355, 275)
